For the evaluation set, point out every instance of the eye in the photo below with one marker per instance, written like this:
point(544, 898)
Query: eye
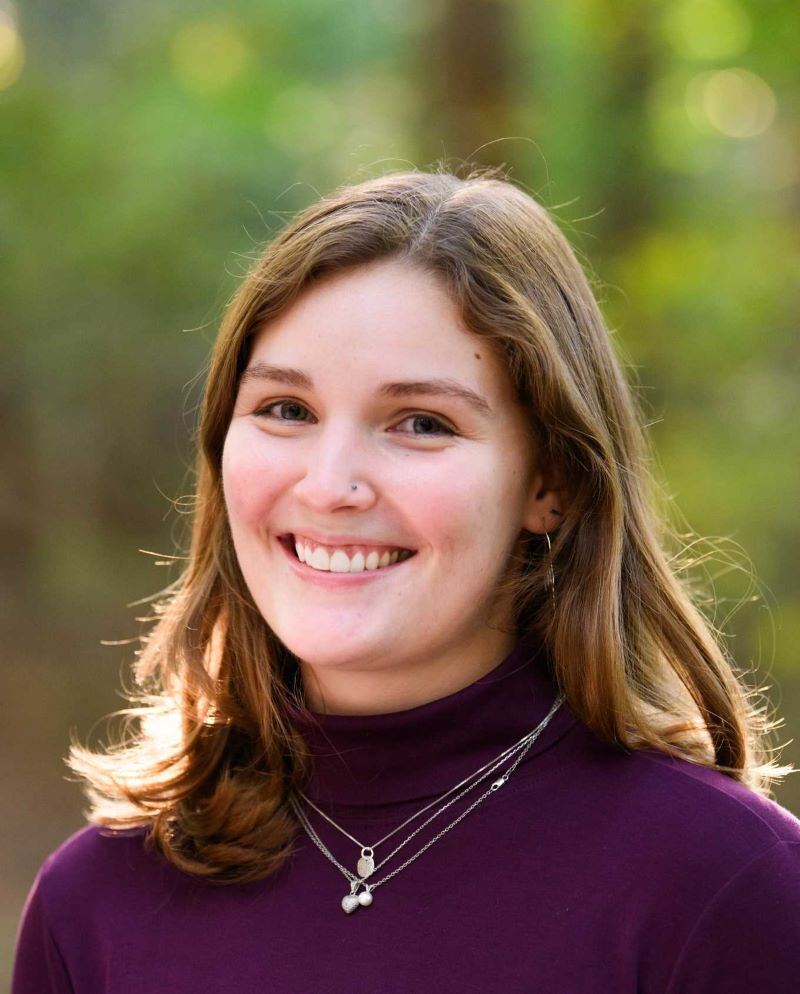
point(285, 410)
point(424, 425)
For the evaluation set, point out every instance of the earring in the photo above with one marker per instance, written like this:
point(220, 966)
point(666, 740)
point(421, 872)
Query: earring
point(550, 566)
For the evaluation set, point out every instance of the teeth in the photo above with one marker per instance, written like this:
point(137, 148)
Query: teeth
point(338, 561)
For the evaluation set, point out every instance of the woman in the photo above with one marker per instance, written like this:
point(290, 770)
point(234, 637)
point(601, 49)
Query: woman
point(428, 705)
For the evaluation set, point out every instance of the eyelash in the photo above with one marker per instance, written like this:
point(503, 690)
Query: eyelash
point(443, 429)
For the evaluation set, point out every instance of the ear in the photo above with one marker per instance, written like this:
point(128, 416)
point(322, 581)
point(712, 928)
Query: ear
point(545, 506)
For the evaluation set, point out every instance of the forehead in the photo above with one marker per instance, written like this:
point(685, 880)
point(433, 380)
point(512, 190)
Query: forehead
point(384, 320)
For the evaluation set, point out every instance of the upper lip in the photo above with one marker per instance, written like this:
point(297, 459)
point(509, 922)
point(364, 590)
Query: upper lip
point(335, 541)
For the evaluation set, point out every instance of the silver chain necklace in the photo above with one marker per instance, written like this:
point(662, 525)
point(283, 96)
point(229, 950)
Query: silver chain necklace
point(366, 864)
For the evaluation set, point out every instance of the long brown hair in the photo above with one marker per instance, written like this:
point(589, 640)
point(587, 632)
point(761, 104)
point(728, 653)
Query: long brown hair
point(209, 759)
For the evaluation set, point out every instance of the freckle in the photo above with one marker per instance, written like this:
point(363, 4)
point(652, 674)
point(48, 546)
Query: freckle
point(477, 355)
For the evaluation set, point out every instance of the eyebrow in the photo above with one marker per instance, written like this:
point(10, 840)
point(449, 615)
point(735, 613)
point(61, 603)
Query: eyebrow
point(437, 388)
point(278, 374)
point(441, 387)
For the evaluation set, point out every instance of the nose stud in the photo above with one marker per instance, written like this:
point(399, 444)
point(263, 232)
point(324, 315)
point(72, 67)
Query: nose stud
point(354, 486)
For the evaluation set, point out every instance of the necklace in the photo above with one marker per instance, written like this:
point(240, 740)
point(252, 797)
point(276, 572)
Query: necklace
point(366, 865)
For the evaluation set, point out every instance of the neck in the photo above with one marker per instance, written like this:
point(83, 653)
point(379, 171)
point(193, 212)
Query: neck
point(390, 685)
point(387, 760)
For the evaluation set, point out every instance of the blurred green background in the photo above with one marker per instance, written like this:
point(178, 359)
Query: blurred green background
point(148, 149)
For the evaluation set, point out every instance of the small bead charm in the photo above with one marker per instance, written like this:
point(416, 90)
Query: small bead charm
point(365, 898)
point(349, 903)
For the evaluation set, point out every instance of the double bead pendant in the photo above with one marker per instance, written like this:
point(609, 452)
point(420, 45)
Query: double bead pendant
point(352, 901)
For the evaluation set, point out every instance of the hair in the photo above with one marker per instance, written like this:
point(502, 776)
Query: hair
point(210, 758)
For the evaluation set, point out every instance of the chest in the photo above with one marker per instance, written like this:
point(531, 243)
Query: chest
point(495, 904)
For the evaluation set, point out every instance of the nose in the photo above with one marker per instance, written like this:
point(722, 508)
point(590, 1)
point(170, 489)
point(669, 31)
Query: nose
point(336, 472)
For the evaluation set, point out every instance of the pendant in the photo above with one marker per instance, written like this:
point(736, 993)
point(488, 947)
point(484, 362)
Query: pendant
point(352, 901)
point(349, 903)
point(366, 865)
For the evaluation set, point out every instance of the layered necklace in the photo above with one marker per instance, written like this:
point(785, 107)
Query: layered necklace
point(361, 892)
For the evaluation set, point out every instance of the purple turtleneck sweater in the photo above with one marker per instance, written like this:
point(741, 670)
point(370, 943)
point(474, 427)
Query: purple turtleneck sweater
point(590, 870)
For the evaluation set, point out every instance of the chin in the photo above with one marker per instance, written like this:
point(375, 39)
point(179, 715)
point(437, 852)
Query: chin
point(332, 649)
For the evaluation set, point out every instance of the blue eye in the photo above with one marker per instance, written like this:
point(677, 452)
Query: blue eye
point(425, 425)
point(287, 410)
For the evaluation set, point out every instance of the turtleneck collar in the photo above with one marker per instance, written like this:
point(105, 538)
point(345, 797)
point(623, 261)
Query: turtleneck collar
point(380, 760)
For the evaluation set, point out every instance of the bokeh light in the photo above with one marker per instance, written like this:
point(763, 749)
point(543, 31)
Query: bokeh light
point(702, 30)
point(208, 56)
point(12, 51)
point(775, 165)
point(735, 102)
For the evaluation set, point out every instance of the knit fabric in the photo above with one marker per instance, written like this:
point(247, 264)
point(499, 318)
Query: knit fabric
point(591, 870)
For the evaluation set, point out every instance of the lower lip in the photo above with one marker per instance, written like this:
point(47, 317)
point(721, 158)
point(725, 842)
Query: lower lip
point(325, 578)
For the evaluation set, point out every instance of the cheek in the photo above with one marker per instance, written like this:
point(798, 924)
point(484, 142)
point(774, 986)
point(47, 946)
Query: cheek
point(458, 510)
point(251, 481)
point(479, 512)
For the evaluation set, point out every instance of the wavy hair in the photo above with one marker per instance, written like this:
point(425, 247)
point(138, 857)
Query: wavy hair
point(209, 758)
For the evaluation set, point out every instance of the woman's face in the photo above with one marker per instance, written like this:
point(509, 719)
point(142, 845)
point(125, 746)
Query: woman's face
point(377, 475)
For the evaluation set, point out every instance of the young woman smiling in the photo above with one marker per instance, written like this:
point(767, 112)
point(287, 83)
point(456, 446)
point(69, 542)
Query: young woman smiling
point(429, 705)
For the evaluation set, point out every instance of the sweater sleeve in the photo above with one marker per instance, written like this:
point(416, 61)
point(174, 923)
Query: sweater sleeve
point(38, 965)
point(748, 937)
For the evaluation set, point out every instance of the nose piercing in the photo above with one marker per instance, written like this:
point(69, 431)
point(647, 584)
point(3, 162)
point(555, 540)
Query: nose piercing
point(354, 486)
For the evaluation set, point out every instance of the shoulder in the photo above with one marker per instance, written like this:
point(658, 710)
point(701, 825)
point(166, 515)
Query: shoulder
point(722, 831)
point(82, 892)
point(650, 787)
point(708, 870)
point(93, 851)
point(687, 826)
point(733, 862)
point(704, 798)
point(100, 865)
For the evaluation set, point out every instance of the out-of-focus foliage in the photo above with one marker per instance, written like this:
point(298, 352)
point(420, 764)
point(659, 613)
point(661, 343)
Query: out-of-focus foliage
point(147, 150)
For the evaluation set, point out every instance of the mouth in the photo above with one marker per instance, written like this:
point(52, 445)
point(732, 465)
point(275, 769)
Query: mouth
point(349, 557)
